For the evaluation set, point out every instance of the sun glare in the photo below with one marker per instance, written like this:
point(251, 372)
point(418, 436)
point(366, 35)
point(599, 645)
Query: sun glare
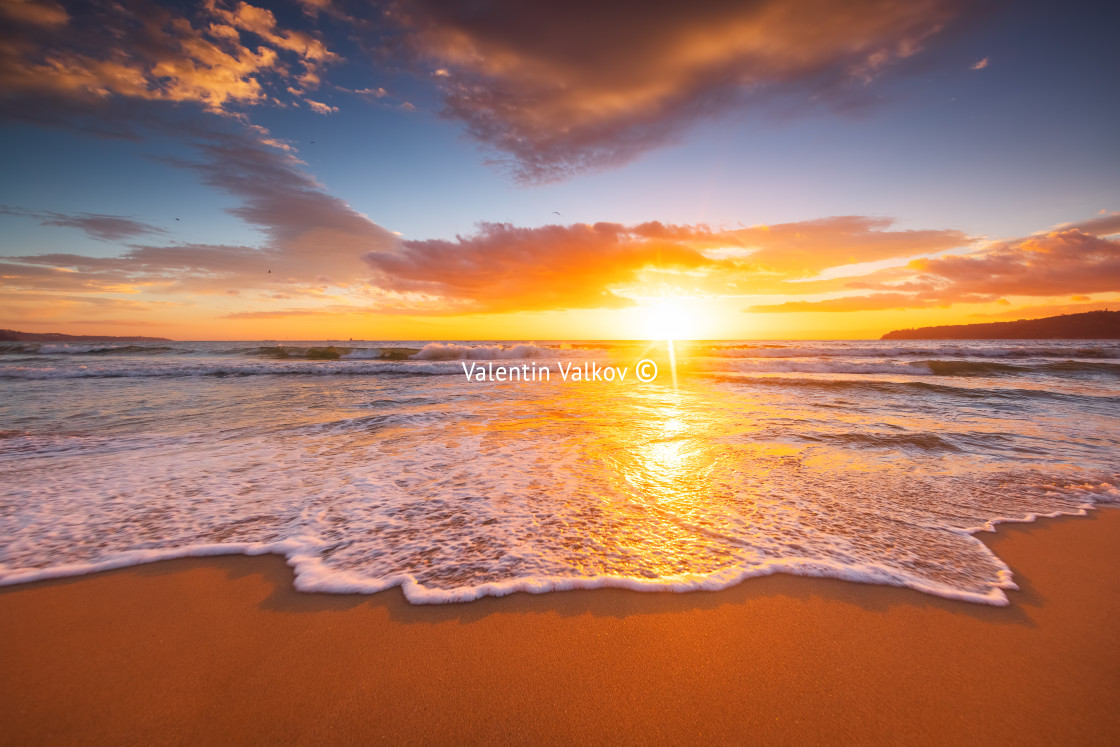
point(676, 318)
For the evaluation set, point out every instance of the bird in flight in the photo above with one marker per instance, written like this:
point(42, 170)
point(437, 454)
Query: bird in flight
point(176, 219)
point(555, 212)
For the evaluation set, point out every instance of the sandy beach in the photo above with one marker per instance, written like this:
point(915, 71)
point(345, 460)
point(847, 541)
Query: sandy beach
point(222, 650)
point(440, 310)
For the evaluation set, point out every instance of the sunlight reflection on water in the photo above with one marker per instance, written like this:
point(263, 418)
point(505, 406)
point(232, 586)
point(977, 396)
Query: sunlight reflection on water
point(456, 488)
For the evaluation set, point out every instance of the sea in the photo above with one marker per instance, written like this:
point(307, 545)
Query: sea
point(457, 470)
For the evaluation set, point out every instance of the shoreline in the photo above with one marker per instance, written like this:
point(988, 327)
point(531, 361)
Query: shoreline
point(223, 648)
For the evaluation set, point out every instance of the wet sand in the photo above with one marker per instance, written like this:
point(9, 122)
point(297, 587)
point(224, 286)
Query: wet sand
point(220, 650)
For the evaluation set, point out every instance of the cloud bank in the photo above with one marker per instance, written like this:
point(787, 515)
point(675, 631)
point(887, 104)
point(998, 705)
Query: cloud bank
point(216, 54)
point(554, 89)
point(96, 225)
point(608, 265)
point(566, 87)
point(1072, 260)
point(312, 239)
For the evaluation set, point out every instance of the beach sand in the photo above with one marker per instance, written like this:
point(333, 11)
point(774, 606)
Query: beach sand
point(220, 650)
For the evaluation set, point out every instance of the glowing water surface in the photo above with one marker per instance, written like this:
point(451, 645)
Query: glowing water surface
point(369, 473)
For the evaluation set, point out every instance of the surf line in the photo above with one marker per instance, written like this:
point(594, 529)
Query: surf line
point(533, 372)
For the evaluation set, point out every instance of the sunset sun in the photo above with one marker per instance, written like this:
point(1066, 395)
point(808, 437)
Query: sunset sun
point(673, 318)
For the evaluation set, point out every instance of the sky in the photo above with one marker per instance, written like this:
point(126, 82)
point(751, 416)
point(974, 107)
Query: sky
point(441, 169)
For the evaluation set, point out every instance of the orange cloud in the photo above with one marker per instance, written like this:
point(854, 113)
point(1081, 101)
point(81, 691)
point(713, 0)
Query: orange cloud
point(504, 268)
point(338, 262)
point(313, 7)
point(1038, 311)
point(1057, 264)
point(1067, 262)
point(311, 51)
point(584, 85)
point(320, 108)
point(51, 307)
point(806, 248)
point(43, 13)
point(1107, 224)
point(874, 302)
point(225, 55)
point(285, 313)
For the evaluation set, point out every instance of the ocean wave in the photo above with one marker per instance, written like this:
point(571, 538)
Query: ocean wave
point(330, 361)
point(991, 368)
point(363, 354)
point(74, 349)
point(876, 469)
point(925, 442)
point(438, 351)
point(921, 388)
point(314, 576)
point(929, 367)
point(819, 366)
point(326, 367)
point(87, 349)
point(325, 562)
point(329, 352)
point(887, 351)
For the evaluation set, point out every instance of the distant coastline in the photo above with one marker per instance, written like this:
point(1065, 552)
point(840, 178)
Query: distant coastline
point(1090, 325)
point(10, 335)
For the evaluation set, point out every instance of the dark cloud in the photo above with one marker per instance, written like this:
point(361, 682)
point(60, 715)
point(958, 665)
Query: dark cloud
point(95, 225)
point(288, 204)
point(556, 88)
point(311, 239)
point(41, 275)
point(567, 87)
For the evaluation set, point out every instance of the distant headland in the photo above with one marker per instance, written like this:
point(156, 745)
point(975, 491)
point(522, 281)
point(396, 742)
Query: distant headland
point(1091, 325)
point(10, 335)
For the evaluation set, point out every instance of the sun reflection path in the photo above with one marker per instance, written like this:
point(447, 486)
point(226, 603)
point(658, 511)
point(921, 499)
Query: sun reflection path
point(671, 479)
point(456, 491)
point(647, 485)
point(672, 360)
point(663, 355)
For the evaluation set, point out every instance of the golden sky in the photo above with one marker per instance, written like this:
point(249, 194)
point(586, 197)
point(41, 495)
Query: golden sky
point(781, 169)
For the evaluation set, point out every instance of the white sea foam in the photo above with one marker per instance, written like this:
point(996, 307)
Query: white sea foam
point(189, 368)
point(453, 492)
point(928, 349)
point(438, 351)
point(75, 349)
point(360, 354)
point(904, 368)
